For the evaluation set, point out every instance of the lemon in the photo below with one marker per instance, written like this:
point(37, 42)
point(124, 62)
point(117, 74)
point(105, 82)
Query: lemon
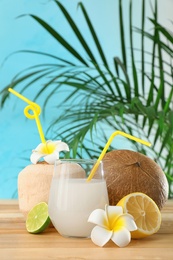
point(146, 213)
point(38, 219)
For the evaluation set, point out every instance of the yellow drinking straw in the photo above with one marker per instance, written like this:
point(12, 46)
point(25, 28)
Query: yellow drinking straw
point(35, 108)
point(107, 146)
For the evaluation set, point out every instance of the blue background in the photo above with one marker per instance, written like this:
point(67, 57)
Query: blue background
point(18, 135)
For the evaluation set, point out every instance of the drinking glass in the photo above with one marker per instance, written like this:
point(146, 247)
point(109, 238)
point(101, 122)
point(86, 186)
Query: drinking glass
point(72, 198)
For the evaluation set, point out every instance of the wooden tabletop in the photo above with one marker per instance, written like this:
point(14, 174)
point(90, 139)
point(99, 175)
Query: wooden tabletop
point(17, 243)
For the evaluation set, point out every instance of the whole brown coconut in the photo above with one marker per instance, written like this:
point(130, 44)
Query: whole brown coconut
point(128, 171)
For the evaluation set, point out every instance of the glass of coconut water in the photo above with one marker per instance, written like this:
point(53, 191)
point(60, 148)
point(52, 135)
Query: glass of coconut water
point(72, 198)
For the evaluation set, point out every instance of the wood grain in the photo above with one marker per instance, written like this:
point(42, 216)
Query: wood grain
point(17, 243)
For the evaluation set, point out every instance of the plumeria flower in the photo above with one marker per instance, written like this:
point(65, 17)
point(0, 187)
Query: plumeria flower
point(49, 151)
point(113, 224)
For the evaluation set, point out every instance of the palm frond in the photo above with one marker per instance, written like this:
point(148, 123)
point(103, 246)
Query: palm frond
point(130, 97)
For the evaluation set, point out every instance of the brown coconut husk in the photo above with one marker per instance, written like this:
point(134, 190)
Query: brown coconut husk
point(128, 171)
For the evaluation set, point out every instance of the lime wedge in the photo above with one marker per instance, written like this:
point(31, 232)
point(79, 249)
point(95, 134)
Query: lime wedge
point(38, 219)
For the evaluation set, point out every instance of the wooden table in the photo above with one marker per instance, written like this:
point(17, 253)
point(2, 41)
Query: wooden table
point(17, 243)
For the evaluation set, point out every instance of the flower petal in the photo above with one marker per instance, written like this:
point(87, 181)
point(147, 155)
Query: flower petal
point(61, 146)
point(98, 217)
point(49, 150)
point(51, 158)
point(116, 210)
point(127, 221)
point(113, 212)
point(100, 236)
point(39, 147)
point(35, 157)
point(122, 237)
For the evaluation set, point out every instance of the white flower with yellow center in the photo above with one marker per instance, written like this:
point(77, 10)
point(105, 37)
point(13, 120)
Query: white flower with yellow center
point(49, 151)
point(112, 224)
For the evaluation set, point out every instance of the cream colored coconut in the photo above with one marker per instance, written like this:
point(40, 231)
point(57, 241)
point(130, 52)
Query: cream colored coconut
point(34, 183)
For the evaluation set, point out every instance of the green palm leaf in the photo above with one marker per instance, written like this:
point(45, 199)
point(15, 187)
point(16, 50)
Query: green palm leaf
point(101, 99)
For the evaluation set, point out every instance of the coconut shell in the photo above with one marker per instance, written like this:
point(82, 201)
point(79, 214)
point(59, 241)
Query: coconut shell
point(128, 171)
point(33, 185)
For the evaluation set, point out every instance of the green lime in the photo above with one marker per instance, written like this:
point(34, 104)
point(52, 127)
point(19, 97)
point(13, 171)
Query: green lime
point(38, 218)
